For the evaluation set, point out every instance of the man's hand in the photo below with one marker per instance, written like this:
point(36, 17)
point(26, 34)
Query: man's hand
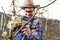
point(26, 31)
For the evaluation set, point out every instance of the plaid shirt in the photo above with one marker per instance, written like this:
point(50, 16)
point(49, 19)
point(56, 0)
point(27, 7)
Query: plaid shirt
point(36, 30)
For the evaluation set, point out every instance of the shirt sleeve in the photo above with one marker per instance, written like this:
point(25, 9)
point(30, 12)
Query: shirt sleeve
point(39, 31)
point(19, 36)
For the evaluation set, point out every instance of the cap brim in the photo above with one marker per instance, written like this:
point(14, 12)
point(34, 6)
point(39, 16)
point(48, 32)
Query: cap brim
point(28, 6)
point(35, 6)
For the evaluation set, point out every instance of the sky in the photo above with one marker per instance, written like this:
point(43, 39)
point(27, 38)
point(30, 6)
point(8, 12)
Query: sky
point(53, 10)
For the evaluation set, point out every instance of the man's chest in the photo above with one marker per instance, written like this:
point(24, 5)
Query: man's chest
point(32, 25)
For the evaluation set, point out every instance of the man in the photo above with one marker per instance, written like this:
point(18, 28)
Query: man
point(33, 30)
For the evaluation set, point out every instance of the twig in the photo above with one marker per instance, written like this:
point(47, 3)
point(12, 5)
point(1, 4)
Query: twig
point(47, 5)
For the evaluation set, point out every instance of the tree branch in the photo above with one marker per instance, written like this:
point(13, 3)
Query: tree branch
point(18, 11)
point(47, 5)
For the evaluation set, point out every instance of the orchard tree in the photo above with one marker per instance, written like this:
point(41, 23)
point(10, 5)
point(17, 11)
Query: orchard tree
point(15, 18)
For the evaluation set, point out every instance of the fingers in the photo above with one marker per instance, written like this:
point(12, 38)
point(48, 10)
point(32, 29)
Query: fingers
point(26, 31)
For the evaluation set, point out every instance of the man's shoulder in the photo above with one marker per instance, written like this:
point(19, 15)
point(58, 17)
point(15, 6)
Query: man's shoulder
point(37, 18)
point(25, 18)
point(20, 16)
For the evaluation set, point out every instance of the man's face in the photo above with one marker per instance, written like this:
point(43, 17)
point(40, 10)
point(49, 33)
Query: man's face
point(29, 11)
